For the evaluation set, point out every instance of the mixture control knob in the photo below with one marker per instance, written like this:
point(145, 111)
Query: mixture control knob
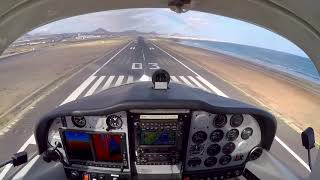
point(74, 175)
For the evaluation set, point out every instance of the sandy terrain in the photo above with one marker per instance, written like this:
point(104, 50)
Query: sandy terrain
point(297, 104)
point(21, 75)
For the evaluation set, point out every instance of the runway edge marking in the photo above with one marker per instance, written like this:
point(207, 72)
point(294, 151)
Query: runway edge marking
point(219, 92)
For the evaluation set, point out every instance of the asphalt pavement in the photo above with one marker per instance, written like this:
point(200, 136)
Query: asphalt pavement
point(136, 61)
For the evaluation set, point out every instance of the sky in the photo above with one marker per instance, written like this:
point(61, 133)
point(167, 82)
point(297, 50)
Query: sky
point(164, 21)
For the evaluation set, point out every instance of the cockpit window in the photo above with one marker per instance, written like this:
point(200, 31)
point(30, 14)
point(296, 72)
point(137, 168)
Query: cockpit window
point(82, 56)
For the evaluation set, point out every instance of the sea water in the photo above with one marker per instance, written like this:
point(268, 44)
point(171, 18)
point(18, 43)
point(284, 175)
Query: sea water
point(297, 66)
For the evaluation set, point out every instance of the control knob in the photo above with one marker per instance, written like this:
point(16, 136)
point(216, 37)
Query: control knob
point(74, 175)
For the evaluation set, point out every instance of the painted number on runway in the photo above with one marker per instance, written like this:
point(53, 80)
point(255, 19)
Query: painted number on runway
point(154, 66)
point(150, 66)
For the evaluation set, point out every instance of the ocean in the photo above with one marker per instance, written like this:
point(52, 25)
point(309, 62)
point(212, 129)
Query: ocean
point(297, 66)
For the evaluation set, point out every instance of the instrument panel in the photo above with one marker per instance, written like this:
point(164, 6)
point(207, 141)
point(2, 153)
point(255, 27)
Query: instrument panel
point(220, 140)
point(156, 142)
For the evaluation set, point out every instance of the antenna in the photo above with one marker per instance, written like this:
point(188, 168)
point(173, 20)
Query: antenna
point(160, 79)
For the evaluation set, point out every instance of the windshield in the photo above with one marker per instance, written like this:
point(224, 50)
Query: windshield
point(84, 55)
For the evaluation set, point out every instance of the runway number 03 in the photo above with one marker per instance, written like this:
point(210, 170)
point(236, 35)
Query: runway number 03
point(150, 66)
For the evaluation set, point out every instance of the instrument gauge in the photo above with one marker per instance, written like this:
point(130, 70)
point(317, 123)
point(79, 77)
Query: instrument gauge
point(114, 122)
point(246, 133)
point(236, 120)
point(213, 149)
point(228, 148)
point(79, 121)
point(220, 121)
point(196, 149)
point(210, 161)
point(199, 137)
point(224, 160)
point(232, 134)
point(216, 135)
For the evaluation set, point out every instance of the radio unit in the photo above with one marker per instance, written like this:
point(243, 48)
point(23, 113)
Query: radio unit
point(159, 137)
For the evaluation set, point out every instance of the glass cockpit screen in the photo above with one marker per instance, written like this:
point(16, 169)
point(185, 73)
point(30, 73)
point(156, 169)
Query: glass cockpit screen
point(157, 138)
point(78, 145)
point(107, 147)
point(90, 146)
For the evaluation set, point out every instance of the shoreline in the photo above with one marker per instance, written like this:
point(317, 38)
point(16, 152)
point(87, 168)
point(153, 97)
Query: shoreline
point(315, 86)
point(280, 69)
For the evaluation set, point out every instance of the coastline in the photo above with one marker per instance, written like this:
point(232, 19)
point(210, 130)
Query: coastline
point(289, 71)
point(299, 79)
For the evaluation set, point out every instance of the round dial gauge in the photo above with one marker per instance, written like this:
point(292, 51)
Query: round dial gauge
point(224, 160)
point(236, 120)
point(201, 120)
point(210, 161)
point(216, 135)
point(79, 121)
point(232, 134)
point(213, 149)
point(246, 133)
point(199, 137)
point(220, 120)
point(196, 149)
point(114, 122)
point(228, 148)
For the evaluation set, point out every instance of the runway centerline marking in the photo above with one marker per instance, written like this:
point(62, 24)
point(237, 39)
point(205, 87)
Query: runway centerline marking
point(143, 57)
point(219, 92)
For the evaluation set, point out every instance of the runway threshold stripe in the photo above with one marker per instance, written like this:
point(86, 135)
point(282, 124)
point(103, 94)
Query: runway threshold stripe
point(119, 81)
point(198, 83)
point(75, 94)
point(94, 86)
point(130, 79)
point(175, 79)
point(108, 82)
point(212, 87)
point(185, 80)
